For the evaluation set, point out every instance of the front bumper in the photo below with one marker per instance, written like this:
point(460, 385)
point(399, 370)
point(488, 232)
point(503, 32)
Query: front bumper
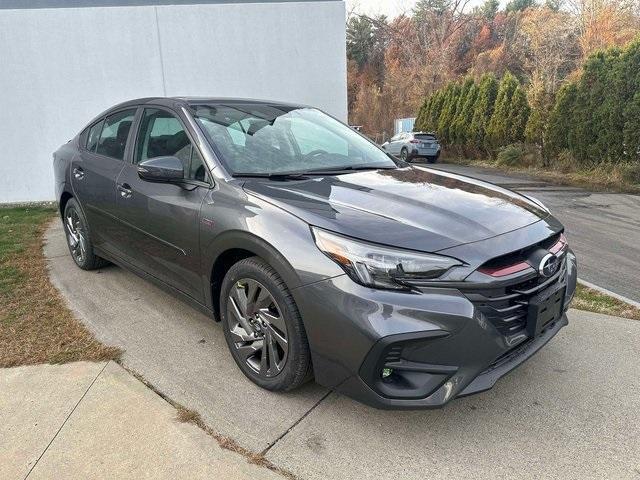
point(438, 344)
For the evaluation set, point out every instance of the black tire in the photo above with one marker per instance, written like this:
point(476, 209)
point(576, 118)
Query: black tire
point(296, 366)
point(78, 237)
point(432, 159)
point(404, 154)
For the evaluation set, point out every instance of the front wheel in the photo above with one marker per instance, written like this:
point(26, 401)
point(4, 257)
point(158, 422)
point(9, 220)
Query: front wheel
point(262, 326)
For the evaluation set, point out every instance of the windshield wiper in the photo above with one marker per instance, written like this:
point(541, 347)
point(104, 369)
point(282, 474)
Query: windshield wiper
point(294, 175)
point(275, 175)
point(347, 168)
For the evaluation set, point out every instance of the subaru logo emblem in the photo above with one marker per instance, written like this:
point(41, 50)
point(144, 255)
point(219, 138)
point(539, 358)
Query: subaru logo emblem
point(549, 265)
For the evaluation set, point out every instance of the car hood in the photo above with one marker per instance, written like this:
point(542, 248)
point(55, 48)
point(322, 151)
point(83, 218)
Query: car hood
point(412, 207)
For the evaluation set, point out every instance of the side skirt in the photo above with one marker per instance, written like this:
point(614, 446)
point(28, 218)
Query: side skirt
point(156, 281)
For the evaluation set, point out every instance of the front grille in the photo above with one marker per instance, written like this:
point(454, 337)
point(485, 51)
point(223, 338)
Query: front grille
point(506, 306)
point(523, 254)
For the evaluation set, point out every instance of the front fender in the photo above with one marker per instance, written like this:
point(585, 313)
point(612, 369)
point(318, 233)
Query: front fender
point(252, 224)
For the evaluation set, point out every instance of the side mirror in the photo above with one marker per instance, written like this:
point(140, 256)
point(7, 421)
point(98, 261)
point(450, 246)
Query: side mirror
point(384, 144)
point(161, 169)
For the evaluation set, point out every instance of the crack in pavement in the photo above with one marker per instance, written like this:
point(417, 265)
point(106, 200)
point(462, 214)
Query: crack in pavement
point(295, 424)
point(66, 420)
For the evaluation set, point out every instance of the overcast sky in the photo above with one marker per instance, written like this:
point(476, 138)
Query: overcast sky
point(390, 8)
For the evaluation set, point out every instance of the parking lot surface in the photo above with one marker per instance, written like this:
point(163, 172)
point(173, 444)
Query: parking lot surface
point(572, 411)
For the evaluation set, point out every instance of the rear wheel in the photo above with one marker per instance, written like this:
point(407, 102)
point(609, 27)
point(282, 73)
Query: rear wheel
point(263, 327)
point(432, 159)
point(404, 154)
point(79, 239)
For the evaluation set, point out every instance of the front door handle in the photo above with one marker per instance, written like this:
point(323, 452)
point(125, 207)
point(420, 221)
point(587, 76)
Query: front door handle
point(125, 190)
point(78, 173)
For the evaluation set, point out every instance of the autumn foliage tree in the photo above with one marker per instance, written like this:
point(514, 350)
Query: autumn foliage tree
point(558, 77)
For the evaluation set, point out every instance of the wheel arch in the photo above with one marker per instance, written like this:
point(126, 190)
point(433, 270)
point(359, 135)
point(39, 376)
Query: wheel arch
point(64, 199)
point(231, 247)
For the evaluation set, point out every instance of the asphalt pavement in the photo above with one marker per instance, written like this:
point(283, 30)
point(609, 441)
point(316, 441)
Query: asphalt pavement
point(603, 228)
point(570, 412)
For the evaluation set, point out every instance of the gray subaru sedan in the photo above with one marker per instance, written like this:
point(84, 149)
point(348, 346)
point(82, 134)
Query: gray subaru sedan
point(319, 253)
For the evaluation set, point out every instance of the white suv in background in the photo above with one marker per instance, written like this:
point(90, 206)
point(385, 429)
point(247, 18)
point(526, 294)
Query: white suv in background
point(411, 145)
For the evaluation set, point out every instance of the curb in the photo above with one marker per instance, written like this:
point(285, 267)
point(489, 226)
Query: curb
point(609, 292)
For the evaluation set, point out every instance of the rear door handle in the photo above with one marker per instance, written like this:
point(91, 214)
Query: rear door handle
point(125, 190)
point(78, 172)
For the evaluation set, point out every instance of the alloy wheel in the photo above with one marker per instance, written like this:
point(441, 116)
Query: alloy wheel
point(403, 155)
point(76, 235)
point(257, 327)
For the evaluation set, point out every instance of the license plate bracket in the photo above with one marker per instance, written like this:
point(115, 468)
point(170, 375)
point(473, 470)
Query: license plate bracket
point(544, 308)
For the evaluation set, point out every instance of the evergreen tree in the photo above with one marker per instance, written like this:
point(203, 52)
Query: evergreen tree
point(420, 124)
point(519, 5)
point(489, 9)
point(631, 132)
point(360, 39)
point(561, 123)
point(427, 8)
point(631, 114)
point(482, 111)
point(588, 111)
point(518, 116)
point(499, 130)
point(457, 132)
point(447, 112)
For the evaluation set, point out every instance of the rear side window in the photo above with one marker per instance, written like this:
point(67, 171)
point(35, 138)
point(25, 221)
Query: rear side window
point(113, 139)
point(93, 136)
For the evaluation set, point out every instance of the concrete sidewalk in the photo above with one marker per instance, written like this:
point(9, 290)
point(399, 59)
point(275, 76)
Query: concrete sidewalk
point(95, 420)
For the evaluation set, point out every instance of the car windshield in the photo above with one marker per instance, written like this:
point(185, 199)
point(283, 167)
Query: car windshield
point(271, 139)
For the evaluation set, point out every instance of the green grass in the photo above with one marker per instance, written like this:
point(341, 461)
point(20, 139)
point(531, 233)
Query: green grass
point(594, 301)
point(18, 226)
point(35, 324)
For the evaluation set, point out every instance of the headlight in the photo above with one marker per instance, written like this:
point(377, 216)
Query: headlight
point(378, 266)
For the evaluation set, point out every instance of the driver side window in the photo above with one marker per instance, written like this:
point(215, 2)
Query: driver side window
point(162, 134)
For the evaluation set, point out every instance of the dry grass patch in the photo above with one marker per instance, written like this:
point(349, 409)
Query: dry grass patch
point(35, 325)
point(604, 178)
point(594, 301)
point(186, 415)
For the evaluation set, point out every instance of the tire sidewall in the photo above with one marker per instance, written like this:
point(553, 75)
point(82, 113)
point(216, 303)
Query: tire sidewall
point(256, 269)
point(89, 257)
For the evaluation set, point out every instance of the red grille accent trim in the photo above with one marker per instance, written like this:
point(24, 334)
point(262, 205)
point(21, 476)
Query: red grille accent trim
point(560, 245)
point(504, 271)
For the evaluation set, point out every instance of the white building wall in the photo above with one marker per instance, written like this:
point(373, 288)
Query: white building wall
point(61, 67)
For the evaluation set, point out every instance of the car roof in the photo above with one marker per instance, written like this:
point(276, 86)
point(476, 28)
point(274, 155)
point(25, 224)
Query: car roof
point(424, 133)
point(174, 102)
